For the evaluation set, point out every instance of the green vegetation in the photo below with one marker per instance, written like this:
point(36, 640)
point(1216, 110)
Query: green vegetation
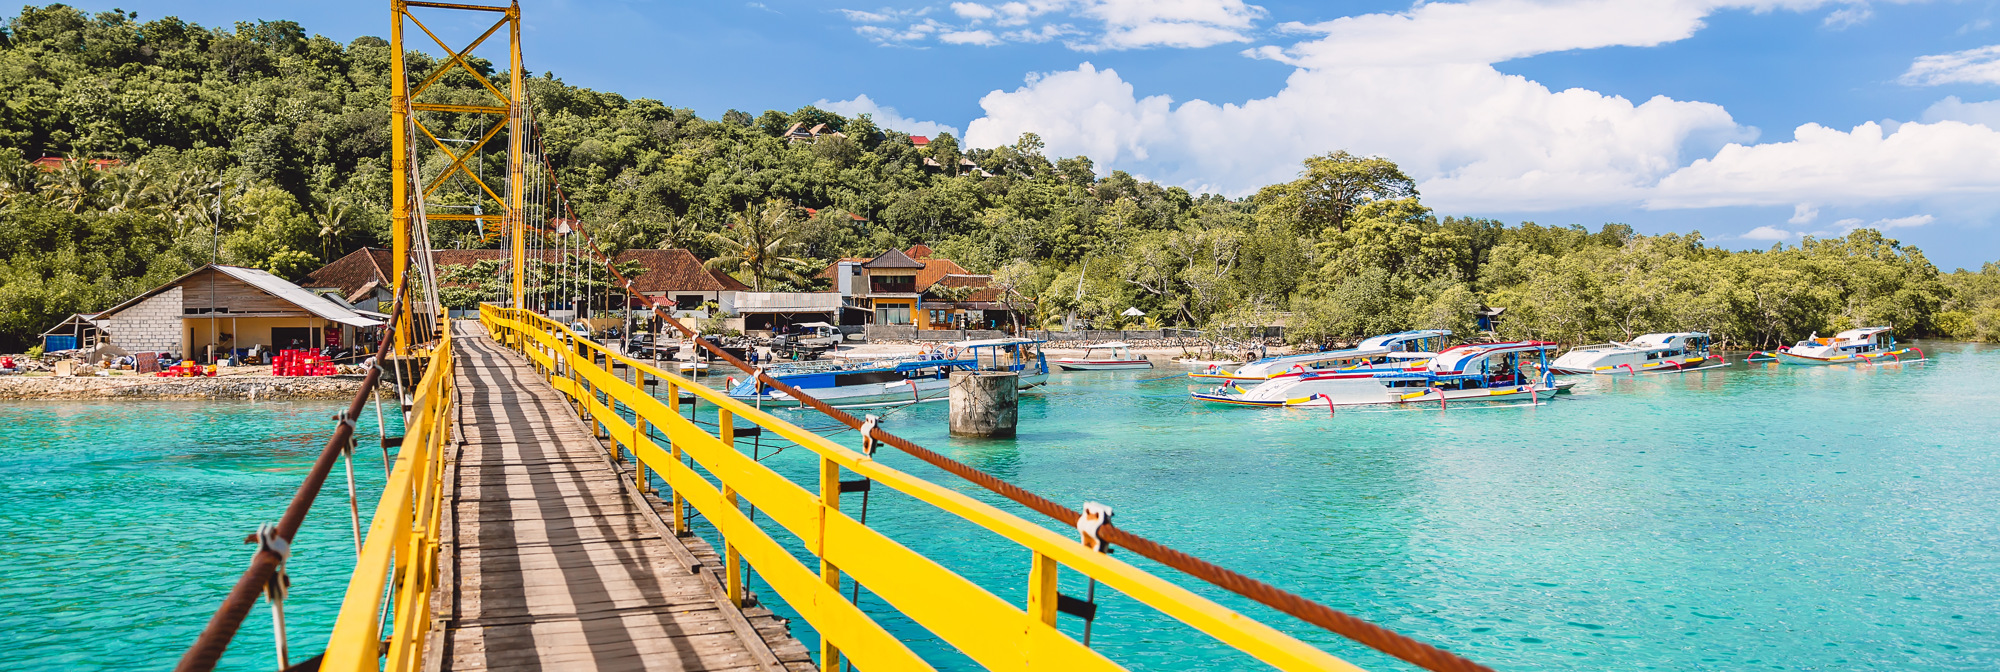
point(261, 146)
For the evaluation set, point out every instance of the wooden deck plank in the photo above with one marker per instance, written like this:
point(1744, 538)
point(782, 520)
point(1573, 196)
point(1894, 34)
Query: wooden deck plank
point(555, 564)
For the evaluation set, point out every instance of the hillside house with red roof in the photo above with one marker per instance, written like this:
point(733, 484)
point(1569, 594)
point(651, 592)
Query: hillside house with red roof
point(912, 288)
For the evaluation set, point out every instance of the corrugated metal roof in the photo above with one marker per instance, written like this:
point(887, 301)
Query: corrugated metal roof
point(298, 296)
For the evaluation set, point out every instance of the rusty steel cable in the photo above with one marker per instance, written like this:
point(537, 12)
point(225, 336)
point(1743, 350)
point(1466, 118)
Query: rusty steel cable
point(1346, 625)
point(221, 629)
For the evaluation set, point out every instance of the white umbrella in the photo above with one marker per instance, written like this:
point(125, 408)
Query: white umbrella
point(1133, 312)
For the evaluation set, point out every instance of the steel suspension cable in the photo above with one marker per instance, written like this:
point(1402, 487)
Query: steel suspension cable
point(214, 639)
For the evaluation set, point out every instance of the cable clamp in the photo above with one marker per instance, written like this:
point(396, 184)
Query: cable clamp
point(1094, 516)
point(346, 447)
point(868, 435)
point(267, 539)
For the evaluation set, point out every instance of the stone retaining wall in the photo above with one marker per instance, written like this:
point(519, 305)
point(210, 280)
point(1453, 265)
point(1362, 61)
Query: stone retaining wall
point(137, 387)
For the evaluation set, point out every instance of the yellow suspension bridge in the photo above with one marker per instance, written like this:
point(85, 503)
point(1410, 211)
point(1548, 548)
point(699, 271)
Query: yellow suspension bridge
point(538, 513)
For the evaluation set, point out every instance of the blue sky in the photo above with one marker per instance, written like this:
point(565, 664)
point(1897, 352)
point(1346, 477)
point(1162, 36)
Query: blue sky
point(1670, 115)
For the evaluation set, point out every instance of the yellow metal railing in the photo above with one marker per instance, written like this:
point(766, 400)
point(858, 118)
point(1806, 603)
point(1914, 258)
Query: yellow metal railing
point(402, 543)
point(984, 626)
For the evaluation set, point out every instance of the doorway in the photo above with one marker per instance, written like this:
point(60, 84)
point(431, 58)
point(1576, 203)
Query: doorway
point(294, 338)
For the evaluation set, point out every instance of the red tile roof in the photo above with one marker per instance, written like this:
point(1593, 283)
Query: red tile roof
point(919, 140)
point(919, 251)
point(932, 271)
point(814, 212)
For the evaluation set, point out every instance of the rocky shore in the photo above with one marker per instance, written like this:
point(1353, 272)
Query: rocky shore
point(147, 387)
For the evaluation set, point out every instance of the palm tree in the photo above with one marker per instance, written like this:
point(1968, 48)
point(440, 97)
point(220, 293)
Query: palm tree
point(332, 221)
point(754, 246)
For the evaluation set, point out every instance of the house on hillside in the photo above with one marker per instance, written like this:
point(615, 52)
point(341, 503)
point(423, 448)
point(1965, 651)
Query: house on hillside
point(50, 164)
point(217, 309)
point(967, 302)
point(891, 288)
point(800, 133)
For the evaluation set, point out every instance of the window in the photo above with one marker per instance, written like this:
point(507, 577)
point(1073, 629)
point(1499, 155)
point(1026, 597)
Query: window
point(687, 301)
point(892, 283)
point(892, 314)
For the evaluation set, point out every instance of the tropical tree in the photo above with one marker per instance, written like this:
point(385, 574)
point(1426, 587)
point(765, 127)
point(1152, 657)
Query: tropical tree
point(755, 247)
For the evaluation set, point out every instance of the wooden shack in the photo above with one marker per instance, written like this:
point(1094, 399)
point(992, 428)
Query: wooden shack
point(223, 309)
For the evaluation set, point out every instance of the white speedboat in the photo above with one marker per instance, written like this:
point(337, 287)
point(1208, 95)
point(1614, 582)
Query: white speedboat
point(1478, 372)
point(1871, 345)
point(899, 380)
point(1117, 355)
point(1408, 351)
point(1651, 353)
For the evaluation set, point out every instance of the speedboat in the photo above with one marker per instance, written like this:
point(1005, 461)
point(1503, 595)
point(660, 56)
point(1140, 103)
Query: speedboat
point(1407, 351)
point(1476, 372)
point(1854, 346)
point(1118, 355)
point(898, 380)
point(1651, 353)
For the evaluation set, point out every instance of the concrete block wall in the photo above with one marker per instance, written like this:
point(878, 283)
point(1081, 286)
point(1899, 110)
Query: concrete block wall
point(891, 332)
point(154, 325)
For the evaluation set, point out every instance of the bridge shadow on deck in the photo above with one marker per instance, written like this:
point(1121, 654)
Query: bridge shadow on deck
point(555, 566)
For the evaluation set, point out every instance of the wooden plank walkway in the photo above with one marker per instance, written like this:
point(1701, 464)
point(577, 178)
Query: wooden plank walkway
point(553, 561)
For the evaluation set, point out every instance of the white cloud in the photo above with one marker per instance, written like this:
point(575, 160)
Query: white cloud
point(885, 117)
point(979, 37)
point(972, 10)
point(1048, 31)
point(861, 16)
point(1824, 165)
point(1474, 137)
point(1768, 233)
point(1803, 213)
point(1847, 17)
point(1840, 228)
point(1975, 26)
point(1902, 222)
point(1972, 66)
point(1119, 24)
point(1419, 87)
point(1953, 109)
point(1132, 24)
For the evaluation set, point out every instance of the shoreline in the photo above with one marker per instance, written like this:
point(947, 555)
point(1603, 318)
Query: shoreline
point(252, 387)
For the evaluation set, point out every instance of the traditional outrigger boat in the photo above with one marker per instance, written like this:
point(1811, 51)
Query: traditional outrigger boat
point(1403, 351)
point(899, 380)
point(1477, 372)
point(1854, 346)
point(1119, 356)
point(1652, 353)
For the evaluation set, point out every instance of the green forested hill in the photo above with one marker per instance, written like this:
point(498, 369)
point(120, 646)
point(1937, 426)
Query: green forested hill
point(263, 146)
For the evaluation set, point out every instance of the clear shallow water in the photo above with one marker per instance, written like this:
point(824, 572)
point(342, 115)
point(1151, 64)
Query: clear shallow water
point(1770, 518)
point(122, 525)
point(1766, 518)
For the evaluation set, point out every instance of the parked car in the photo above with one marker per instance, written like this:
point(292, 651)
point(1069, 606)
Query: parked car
point(819, 334)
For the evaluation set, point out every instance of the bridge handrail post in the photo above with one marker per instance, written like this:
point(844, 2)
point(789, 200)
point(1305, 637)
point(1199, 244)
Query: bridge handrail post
point(829, 504)
point(679, 505)
point(732, 560)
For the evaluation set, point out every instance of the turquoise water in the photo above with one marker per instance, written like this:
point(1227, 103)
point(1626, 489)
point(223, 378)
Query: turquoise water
point(122, 525)
point(1766, 518)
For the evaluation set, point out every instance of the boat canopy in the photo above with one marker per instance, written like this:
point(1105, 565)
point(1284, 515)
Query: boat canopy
point(1391, 340)
point(1455, 360)
point(995, 342)
point(1113, 344)
point(1858, 334)
point(1664, 340)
